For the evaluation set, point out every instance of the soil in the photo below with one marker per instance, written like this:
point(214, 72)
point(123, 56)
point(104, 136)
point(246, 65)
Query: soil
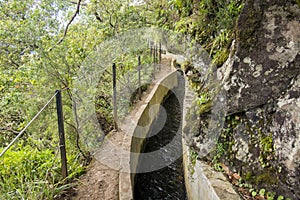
point(100, 182)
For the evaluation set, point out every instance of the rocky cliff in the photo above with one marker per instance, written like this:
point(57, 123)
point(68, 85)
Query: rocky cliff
point(260, 139)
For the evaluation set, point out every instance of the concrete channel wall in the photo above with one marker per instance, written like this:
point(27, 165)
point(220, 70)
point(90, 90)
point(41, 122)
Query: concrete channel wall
point(201, 181)
point(201, 184)
point(148, 115)
point(145, 116)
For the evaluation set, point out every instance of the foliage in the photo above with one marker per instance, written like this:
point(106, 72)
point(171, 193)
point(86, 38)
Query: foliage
point(115, 16)
point(33, 65)
point(249, 191)
point(211, 24)
point(30, 74)
point(127, 81)
point(192, 159)
point(32, 174)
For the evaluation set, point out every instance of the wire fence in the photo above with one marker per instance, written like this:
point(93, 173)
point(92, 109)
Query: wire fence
point(34, 165)
point(56, 95)
point(29, 123)
point(128, 90)
point(118, 86)
point(135, 82)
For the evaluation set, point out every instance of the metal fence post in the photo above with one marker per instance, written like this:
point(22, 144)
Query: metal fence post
point(154, 53)
point(150, 45)
point(61, 132)
point(115, 96)
point(139, 74)
point(160, 52)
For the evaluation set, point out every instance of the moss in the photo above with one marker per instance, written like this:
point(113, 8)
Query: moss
point(266, 149)
point(220, 57)
point(248, 176)
point(192, 163)
point(298, 2)
point(248, 23)
point(266, 142)
point(205, 108)
point(268, 177)
point(223, 152)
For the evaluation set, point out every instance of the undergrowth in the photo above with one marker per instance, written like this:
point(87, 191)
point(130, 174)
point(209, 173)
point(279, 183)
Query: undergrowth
point(29, 173)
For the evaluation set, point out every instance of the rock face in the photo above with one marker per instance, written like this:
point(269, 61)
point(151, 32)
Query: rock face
point(261, 135)
point(266, 58)
point(262, 80)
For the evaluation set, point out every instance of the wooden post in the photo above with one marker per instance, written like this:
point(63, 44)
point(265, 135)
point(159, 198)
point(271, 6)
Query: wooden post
point(139, 74)
point(115, 97)
point(61, 131)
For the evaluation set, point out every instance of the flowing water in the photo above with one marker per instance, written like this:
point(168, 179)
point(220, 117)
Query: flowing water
point(168, 182)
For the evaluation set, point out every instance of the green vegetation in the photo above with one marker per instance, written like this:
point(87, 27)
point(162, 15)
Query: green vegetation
point(267, 149)
point(36, 59)
point(211, 23)
point(127, 77)
point(223, 150)
point(193, 158)
point(249, 190)
point(262, 173)
point(42, 47)
point(34, 174)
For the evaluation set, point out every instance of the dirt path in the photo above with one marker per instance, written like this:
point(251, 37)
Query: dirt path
point(101, 182)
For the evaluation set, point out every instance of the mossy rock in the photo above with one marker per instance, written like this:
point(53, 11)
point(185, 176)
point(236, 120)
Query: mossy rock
point(187, 66)
point(220, 57)
point(246, 29)
point(266, 178)
point(205, 108)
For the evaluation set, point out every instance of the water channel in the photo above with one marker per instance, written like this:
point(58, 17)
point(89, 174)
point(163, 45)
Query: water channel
point(168, 182)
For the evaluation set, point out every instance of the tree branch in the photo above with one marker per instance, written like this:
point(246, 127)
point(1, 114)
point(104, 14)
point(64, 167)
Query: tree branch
point(98, 16)
point(83, 4)
point(69, 23)
point(110, 21)
point(110, 15)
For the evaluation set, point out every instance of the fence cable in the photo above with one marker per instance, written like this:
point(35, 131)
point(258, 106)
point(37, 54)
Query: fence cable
point(24, 129)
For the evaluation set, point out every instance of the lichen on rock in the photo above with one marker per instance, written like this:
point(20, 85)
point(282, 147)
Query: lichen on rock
point(263, 84)
point(267, 50)
point(262, 81)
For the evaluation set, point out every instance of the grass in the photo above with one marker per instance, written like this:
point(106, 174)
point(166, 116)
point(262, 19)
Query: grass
point(29, 173)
